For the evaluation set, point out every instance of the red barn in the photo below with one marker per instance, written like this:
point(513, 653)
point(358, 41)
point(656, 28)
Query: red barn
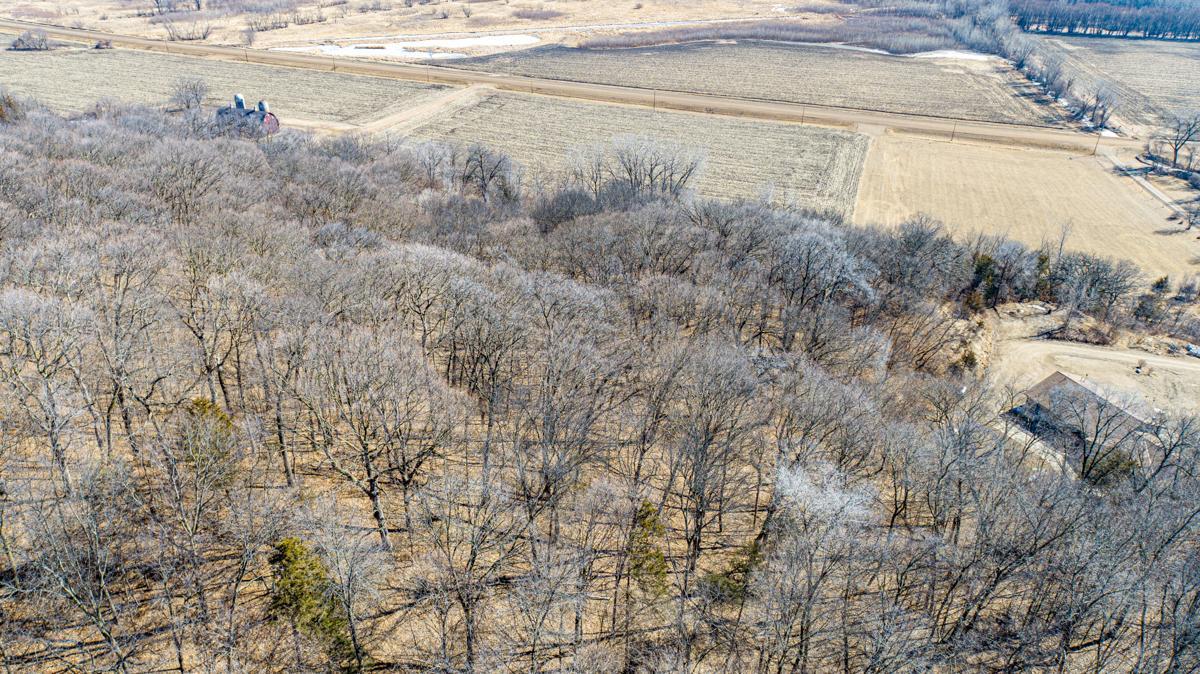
point(254, 120)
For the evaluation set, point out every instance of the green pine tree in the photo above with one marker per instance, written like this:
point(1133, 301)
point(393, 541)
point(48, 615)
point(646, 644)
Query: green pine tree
point(301, 598)
point(647, 563)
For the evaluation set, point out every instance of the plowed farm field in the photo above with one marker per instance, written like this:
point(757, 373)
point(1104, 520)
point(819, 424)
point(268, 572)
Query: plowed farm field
point(1152, 78)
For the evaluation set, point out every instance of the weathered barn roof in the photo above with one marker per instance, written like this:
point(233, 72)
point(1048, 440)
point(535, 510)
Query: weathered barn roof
point(260, 116)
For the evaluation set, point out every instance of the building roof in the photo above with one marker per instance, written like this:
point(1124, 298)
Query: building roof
point(260, 115)
point(266, 119)
point(1058, 389)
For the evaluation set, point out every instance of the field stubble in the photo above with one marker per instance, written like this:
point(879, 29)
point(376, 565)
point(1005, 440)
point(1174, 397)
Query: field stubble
point(73, 79)
point(1029, 195)
point(810, 166)
point(1152, 78)
point(982, 90)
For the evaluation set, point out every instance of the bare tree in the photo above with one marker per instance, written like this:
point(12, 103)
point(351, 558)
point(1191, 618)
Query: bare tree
point(819, 526)
point(1181, 130)
point(189, 93)
point(647, 167)
point(41, 342)
point(490, 173)
point(357, 566)
point(196, 462)
point(378, 412)
point(711, 435)
point(473, 535)
point(30, 40)
point(83, 556)
point(1191, 215)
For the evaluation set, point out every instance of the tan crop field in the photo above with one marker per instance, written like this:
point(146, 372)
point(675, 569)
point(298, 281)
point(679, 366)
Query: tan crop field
point(984, 90)
point(814, 167)
point(1152, 77)
point(303, 21)
point(72, 79)
point(1029, 195)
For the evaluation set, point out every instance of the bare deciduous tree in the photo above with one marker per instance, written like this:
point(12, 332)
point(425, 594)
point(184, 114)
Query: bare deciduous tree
point(189, 93)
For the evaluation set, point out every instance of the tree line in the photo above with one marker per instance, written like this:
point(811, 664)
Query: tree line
point(348, 404)
point(1168, 21)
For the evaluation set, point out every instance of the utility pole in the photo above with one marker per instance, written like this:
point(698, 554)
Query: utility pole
point(954, 131)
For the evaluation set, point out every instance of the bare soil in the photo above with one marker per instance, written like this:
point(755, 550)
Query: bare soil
point(1027, 194)
point(1019, 358)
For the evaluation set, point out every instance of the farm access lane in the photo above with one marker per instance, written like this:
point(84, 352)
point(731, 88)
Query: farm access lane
point(953, 129)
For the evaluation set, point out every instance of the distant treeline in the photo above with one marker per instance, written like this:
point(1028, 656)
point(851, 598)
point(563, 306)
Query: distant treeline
point(1164, 21)
point(896, 34)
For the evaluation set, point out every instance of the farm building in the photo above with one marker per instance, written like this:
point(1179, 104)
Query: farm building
point(258, 119)
point(1092, 432)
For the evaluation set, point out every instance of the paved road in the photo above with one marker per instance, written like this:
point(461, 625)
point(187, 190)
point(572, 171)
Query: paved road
point(964, 130)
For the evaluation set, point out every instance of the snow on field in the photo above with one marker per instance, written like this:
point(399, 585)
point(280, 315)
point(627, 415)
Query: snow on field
point(394, 51)
point(467, 42)
point(419, 49)
point(956, 54)
point(833, 45)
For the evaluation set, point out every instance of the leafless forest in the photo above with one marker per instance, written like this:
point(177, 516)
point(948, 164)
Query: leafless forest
point(293, 404)
point(1163, 19)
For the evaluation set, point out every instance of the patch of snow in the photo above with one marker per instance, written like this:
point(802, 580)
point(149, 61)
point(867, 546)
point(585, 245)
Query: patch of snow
point(835, 45)
point(1107, 133)
point(956, 54)
point(466, 42)
point(419, 49)
point(392, 50)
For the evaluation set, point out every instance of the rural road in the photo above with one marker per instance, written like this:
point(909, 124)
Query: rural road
point(1008, 134)
point(1166, 382)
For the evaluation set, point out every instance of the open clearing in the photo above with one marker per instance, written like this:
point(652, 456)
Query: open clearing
point(1152, 77)
point(984, 90)
point(1026, 194)
point(1167, 383)
point(72, 79)
point(814, 167)
point(322, 20)
point(712, 104)
point(1020, 359)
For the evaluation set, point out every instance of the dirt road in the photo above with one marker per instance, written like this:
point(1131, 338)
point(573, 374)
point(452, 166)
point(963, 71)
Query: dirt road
point(410, 118)
point(1009, 134)
point(1165, 382)
point(1150, 381)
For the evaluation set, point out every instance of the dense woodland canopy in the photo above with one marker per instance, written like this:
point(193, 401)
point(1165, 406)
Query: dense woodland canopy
point(298, 404)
